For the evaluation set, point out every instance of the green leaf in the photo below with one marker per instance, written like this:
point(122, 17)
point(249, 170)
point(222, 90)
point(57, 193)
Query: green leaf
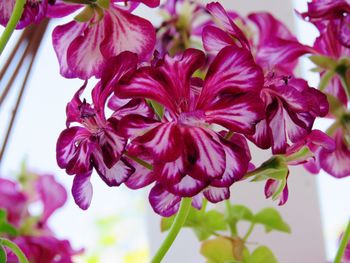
point(326, 78)
point(103, 3)
point(3, 256)
point(218, 250)
point(335, 106)
point(3, 215)
point(204, 224)
point(8, 229)
point(272, 220)
point(241, 212)
point(158, 108)
point(262, 255)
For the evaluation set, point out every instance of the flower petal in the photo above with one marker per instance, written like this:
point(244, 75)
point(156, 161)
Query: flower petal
point(82, 190)
point(52, 194)
point(163, 202)
point(187, 187)
point(232, 71)
point(215, 194)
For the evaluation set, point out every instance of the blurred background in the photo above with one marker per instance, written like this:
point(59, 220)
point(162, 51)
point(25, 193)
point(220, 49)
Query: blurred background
point(120, 226)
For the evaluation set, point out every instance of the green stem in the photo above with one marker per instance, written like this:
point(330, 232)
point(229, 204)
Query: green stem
point(174, 230)
point(345, 84)
point(233, 227)
point(343, 243)
point(11, 25)
point(15, 249)
point(250, 230)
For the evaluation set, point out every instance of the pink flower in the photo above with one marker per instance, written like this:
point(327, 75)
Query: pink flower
point(190, 158)
point(275, 49)
point(83, 47)
point(291, 108)
point(96, 142)
point(337, 163)
point(331, 12)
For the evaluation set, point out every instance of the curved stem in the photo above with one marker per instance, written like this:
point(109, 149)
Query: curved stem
point(250, 230)
point(15, 249)
point(174, 230)
point(11, 25)
point(343, 243)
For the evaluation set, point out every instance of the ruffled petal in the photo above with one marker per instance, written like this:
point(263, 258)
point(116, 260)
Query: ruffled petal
point(62, 36)
point(232, 71)
point(337, 163)
point(115, 175)
point(82, 190)
point(215, 194)
point(236, 113)
point(52, 194)
point(163, 202)
point(73, 150)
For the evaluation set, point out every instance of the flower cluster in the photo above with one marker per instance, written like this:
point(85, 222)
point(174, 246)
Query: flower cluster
point(31, 232)
point(175, 105)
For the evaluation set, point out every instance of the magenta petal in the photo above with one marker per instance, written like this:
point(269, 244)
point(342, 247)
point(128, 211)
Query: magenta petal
point(337, 163)
point(215, 194)
point(163, 202)
point(215, 39)
point(136, 125)
point(171, 172)
point(134, 106)
point(52, 194)
point(82, 190)
point(237, 113)
point(73, 150)
point(62, 36)
point(150, 3)
point(125, 31)
point(84, 57)
point(237, 161)
point(345, 31)
point(204, 154)
point(61, 9)
point(261, 136)
point(73, 107)
point(232, 71)
point(163, 141)
point(187, 187)
point(115, 175)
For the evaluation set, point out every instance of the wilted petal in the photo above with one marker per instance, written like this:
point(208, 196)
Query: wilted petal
point(216, 194)
point(232, 71)
point(163, 202)
point(82, 190)
point(52, 194)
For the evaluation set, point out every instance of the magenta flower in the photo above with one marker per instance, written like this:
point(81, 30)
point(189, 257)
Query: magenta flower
point(190, 158)
point(83, 47)
point(331, 12)
point(14, 201)
point(291, 108)
point(337, 163)
point(96, 143)
point(276, 49)
point(271, 186)
point(327, 44)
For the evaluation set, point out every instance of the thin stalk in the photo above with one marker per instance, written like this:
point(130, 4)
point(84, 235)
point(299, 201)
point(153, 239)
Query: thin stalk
point(174, 230)
point(140, 161)
point(250, 230)
point(343, 243)
point(345, 84)
point(233, 227)
point(11, 25)
point(15, 249)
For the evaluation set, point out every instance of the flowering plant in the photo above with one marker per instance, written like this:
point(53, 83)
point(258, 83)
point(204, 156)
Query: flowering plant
point(175, 106)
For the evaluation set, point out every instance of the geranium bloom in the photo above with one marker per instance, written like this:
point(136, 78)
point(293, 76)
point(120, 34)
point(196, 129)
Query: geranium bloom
point(327, 44)
point(337, 163)
point(190, 158)
point(182, 27)
point(275, 48)
point(291, 108)
point(35, 238)
point(331, 12)
point(103, 32)
point(96, 143)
